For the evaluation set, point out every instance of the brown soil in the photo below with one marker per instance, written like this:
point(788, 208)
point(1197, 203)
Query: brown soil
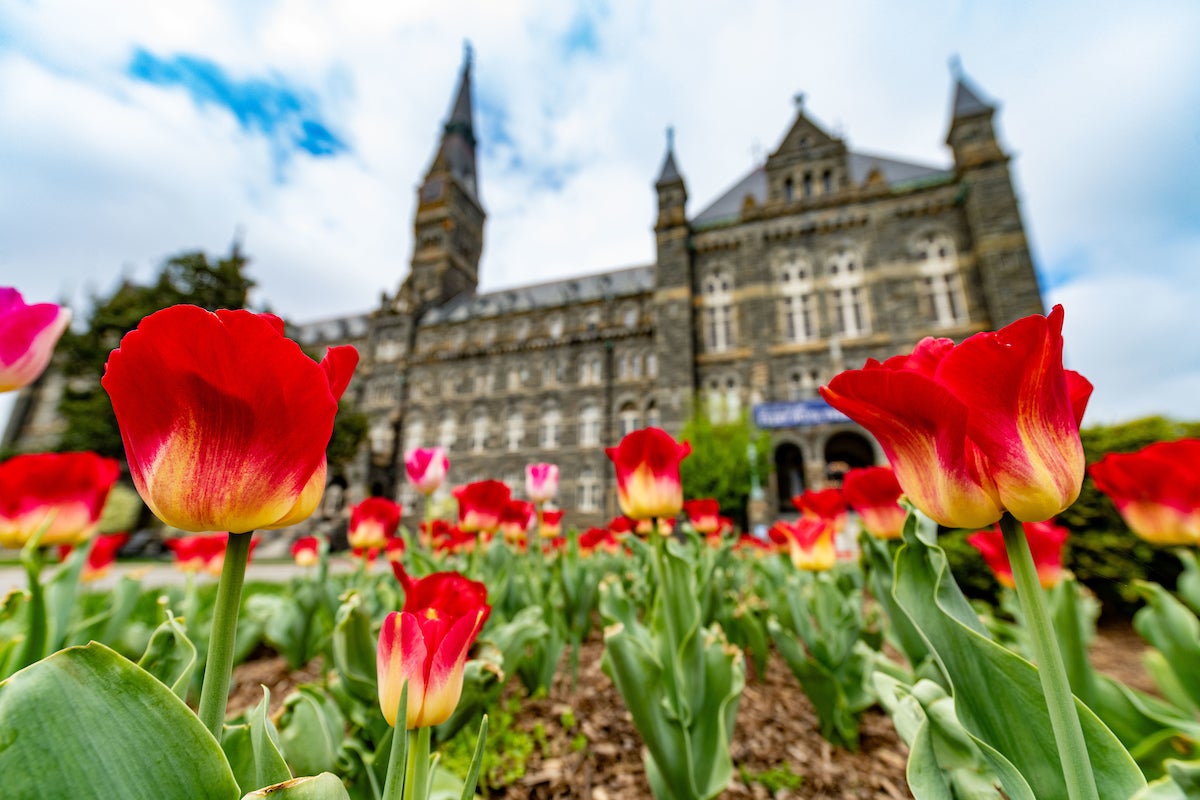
point(776, 730)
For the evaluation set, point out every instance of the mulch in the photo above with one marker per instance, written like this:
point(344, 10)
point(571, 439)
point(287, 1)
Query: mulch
point(776, 730)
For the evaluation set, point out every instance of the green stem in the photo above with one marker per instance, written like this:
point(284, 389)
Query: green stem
point(416, 778)
point(1064, 718)
point(214, 692)
point(397, 769)
point(35, 638)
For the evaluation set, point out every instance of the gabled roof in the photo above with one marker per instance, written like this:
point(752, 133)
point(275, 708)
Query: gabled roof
point(571, 291)
point(728, 206)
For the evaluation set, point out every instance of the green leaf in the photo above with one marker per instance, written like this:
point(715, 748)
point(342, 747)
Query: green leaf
point(354, 648)
point(325, 786)
point(997, 694)
point(311, 731)
point(87, 723)
point(1174, 631)
point(253, 748)
point(170, 656)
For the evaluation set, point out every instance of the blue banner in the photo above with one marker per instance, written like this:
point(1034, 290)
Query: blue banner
point(799, 414)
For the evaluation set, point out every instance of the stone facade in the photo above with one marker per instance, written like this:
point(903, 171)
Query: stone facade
point(818, 259)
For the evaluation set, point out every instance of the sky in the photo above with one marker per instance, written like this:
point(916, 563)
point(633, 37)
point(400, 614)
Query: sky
point(132, 132)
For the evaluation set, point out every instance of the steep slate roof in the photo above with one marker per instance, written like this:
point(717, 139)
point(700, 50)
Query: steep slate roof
point(619, 283)
point(728, 206)
point(457, 147)
point(967, 100)
point(335, 329)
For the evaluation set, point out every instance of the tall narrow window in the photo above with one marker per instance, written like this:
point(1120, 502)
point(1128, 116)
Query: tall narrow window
point(447, 431)
point(589, 426)
point(827, 182)
point(588, 498)
point(514, 430)
point(653, 420)
point(797, 306)
point(628, 415)
point(717, 302)
point(941, 282)
point(551, 424)
point(479, 432)
point(847, 294)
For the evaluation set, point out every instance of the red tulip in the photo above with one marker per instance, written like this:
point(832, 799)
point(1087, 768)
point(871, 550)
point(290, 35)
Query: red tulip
point(1045, 542)
point(704, 514)
point(452, 539)
point(621, 525)
point(205, 552)
point(515, 520)
point(826, 504)
point(645, 527)
point(100, 557)
point(306, 551)
point(753, 545)
point(225, 420)
point(426, 644)
point(874, 494)
point(373, 522)
point(975, 429)
point(594, 539)
point(393, 551)
point(647, 463)
point(481, 504)
point(426, 468)
point(1156, 489)
point(28, 334)
point(62, 493)
point(541, 482)
point(809, 542)
point(551, 523)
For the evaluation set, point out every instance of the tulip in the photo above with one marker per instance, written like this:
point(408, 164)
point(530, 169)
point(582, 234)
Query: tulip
point(59, 495)
point(753, 545)
point(975, 429)
point(28, 334)
point(100, 557)
point(645, 527)
point(621, 525)
point(393, 551)
point(541, 482)
point(827, 504)
point(225, 420)
point(373, 522)
point(1157, 490)
point(704, 514)
point(480, 505)
point(425, 644)
point(809, 542)
point(429, 531)
point(452, 539)
point(648, 483)
point(594, 539)
point(1045, 542)
point(551, 523)
point(874, 494)
point(203, 553)
point(426, 468)
point(515, 520)
point(306, 551)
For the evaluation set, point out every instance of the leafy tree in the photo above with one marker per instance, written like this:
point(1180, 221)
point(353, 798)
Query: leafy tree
point(349, 432)
point(185, 278)
point(719, 466)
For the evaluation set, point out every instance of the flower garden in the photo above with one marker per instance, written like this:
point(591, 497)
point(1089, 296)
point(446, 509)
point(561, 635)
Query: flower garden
point(451, 625)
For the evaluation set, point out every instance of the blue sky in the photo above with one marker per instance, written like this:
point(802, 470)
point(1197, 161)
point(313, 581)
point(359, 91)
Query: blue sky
point(134, 132)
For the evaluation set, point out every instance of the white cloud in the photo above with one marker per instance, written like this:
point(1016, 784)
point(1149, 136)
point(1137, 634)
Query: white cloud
point(105, 175)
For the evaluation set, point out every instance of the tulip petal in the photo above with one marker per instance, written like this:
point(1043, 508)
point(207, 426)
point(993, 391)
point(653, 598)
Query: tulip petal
point(1021, 413)
point(922, 430)
point(444, 679)
point(225, 422)
point(28, 334)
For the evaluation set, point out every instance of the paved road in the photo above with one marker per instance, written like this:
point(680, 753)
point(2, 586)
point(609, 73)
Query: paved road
point(165, 574)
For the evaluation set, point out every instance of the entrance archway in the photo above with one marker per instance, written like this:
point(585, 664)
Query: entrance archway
point(789, 474)
point(846, 451)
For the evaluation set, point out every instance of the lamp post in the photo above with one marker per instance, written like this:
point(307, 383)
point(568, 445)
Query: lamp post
point(756, 509)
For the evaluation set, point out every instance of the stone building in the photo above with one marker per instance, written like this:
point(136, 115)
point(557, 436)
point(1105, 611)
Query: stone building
point(816, 260)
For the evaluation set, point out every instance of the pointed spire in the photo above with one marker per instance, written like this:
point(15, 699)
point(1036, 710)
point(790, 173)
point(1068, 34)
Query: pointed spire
point(966, 97)
point(457, 148)
point(669, 172)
